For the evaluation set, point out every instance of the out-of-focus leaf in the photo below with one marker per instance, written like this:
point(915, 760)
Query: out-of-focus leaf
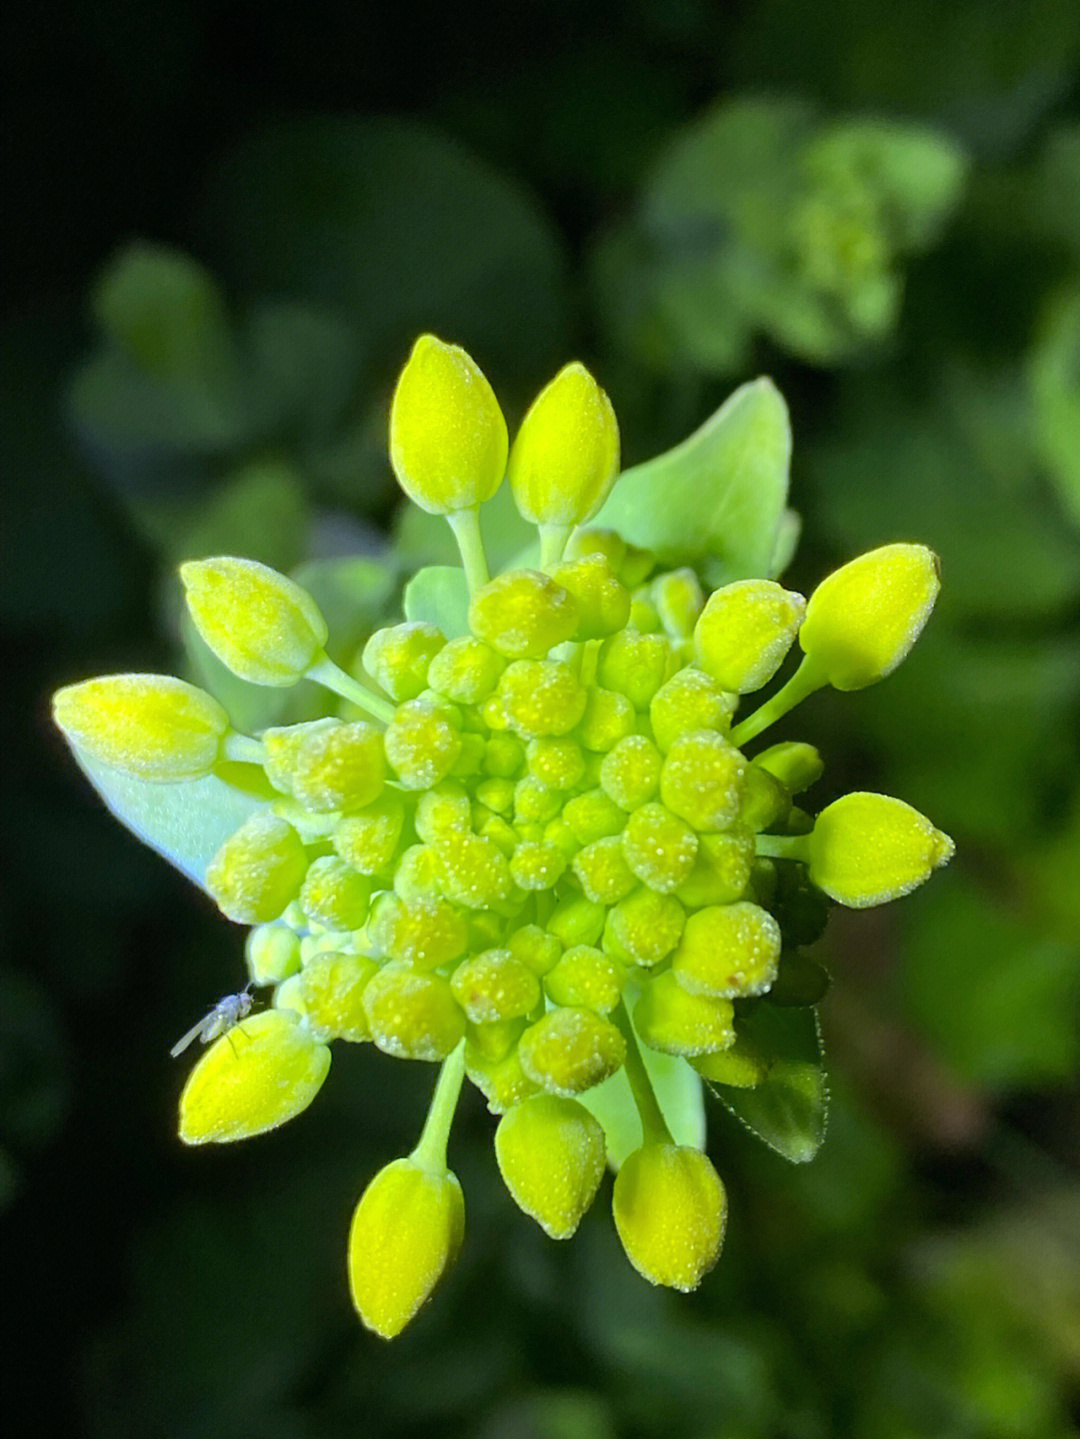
point(186, 823)
point(259, 512)
point(307, 361)
point(1000, 999)
point(719, 497)
point(788, 1110)
point(1054, 377)
point(397, 228)
point(355, 595)
point(678, 1091)
point(440, 596)
point(423, 539)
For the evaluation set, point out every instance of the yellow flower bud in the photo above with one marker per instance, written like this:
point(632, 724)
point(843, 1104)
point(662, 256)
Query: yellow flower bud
point(670, 1211)
point(258, 870)
point(867, 849)
point(448, 440)
point(570, 1050)
point(566, 454)
point(151, 726)
point(673, 1021)
point(261, 1073)
point(728, 951)
point(744, 632)
point(552, 1155)
point(260, 624)
point(405, 1235)
point(863, 618)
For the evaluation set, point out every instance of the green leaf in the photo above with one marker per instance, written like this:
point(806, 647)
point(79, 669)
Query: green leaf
point(1054, 379)
point(423, 539)
point(440, 596)
point(356, 594)
point(260, 512)
point(788, 1109)
point(719, 496)
point(678, 1092)
point(185, 823)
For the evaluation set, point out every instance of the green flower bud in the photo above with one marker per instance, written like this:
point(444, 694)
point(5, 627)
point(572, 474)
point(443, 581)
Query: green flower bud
point(398, 658)
point(552, 1155)
point(566, 455)
point(332, 986)
point(603, 872)
point(867, 849)
point(702, 780)
point(151, 726)
point(728, 951)
point(765, 803)
point(537, 865)
point(608, 718)
point(670, 1211)
point(255, 1077)
point(368, 839)
point(577, 921)
point(745, 631)
point(721, 871)
point(602, 600)
point(426, 933)
point(644, 927)
point(555, 761)
point(674, 1022)
point(475, 871)
point(421, 744)
point(585, 978)
point(413, 1015)
point(635, 665)
point(272, 952)
point(494, 986)
point(496, 795)
point(863, 619)
point(742, 1066)
point(523, 614)
point(630, 773)
point(443, 812)
point(678, 598)
point(502, 1082)
point(534, 802)
point(504, 756)
point(535, 947)
point(405, 1235)
point(644, 616)
point(260, 624)
point(326, 764)
point(689, 701)
point(570, 1050)
point(448, 440)
point(334, 894)
point(289, 997)
point(797, 766)
point(465, 670)
point(258, 870)
point(540, 697)
point(659, 847)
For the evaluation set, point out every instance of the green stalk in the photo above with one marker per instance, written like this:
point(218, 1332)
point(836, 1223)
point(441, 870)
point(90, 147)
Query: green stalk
point(784, 846)
point(430, 1152)
point(802, 683)
point(466, 527)
point(653, 1125)
point(243, 748)
point(325, 672)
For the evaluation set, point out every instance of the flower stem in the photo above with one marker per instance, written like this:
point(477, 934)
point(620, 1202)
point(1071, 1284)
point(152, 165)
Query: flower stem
point(466, 527)
point(553, 540)
point(802, 683)
point(784, 846)
point(243, 748)
point(653, 1125)
point(430, 1152)
point(325, 672)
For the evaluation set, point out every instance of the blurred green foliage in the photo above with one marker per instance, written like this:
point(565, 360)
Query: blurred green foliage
point(878, 207)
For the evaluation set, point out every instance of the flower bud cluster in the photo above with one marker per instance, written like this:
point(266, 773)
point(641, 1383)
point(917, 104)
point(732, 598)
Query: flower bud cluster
point(542, 846)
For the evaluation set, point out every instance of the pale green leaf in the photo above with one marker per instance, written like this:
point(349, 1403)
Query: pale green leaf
point(719, 496)
point(440, 596)
point(678, 1091)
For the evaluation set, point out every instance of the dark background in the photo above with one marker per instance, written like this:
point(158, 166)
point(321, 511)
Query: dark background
point(921, 1277)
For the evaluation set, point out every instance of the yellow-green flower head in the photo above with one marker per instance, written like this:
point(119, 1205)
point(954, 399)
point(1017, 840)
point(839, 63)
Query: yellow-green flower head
point(867, 849)
point(448, 440)
point(671, 1212)
point(151, 726)
point(566, 455)
point(862, 620)
point(744, 632)
point(552, 1156)
point(260, 624)
point(405, 1235)
point(259, 1074)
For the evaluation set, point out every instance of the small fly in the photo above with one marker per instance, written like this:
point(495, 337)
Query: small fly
point(225, 1015)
